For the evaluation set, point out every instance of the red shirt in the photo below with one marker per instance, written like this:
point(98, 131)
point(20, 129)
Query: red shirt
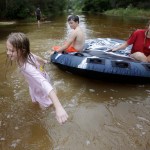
point(137, 38)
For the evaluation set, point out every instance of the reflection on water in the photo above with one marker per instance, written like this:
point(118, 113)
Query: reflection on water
point(102, 115)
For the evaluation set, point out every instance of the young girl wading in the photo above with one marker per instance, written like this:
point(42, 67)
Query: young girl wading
point(41, 91)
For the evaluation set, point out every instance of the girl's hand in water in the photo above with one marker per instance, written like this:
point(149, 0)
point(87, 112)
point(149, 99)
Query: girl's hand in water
point(61, 115)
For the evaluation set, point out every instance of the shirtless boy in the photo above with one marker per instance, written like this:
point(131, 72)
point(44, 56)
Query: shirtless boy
point(75, 42)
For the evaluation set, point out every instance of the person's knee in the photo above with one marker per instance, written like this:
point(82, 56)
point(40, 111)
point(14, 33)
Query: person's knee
point(148, 58)
point(139, 56)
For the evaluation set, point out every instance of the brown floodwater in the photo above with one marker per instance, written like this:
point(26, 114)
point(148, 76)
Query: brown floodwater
point(102, 115)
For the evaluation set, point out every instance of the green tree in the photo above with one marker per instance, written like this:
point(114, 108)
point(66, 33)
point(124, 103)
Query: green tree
point(96, 5)
point(21, 9)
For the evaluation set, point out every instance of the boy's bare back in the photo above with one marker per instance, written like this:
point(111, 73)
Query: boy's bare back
point(78, 39)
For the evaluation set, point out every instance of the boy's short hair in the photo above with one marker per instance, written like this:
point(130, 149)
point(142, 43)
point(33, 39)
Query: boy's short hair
point(74, 18)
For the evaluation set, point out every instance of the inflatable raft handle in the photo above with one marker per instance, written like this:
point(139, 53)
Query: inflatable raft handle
point(96, 61)
point(78, 54)
point(147, 66)
point(109, 50)
point(120, 64)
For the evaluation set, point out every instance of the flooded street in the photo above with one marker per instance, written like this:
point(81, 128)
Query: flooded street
point(102, 115)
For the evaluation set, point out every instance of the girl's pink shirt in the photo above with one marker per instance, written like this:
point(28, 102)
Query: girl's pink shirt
point(39, 83)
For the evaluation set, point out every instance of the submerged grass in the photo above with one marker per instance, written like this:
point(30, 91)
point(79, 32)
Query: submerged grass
point(7, 22)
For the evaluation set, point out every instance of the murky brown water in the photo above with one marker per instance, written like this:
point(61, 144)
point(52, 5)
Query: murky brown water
point(102, 115)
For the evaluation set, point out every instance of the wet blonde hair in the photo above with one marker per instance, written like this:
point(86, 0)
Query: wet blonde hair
point(21, 43)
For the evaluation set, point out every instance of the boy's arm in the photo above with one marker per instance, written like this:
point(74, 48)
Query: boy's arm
point(61, 114)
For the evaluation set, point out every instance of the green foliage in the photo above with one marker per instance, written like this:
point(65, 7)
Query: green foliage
point(129, 12)
point(18, 9)
point(103, 5)
point(75, 5)
point(96, 5)
point(21, 9)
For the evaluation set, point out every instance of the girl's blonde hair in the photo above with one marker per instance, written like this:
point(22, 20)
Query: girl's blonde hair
point(21, 43)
